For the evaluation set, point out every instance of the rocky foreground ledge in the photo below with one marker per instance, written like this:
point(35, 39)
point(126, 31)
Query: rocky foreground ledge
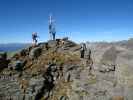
point(55, 71)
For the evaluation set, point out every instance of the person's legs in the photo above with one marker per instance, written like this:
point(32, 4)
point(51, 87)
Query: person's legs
point(35, 41)
point(90, 66)
point(82, 53)
point(32, 40)
point(53, 36)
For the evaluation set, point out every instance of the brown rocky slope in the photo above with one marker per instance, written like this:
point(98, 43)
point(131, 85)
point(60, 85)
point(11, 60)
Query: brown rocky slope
point(55, 71)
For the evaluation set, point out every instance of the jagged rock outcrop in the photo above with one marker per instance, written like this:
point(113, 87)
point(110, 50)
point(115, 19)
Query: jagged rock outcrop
point(50, 76)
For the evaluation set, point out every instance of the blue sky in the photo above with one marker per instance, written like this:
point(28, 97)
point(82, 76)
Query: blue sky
point(81, 20)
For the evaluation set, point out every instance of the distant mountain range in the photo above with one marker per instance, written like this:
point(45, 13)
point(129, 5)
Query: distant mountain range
point(124, 43)
point(9, 47)
point(13, 47)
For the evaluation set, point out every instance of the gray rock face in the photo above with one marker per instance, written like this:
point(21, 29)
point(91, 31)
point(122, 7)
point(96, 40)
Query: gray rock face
point(52, 43)
point(35, 52)
point(9, 88)
point(49, 82)
point(108, 61)
point(43, 45)
point(35, 85)
point(71, 72)
point(109, 56)
point(69, 44)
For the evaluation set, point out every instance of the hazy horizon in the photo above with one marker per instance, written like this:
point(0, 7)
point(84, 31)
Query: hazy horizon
point(30, 43)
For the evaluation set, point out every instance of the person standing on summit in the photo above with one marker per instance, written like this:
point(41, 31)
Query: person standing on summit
point(52, 31)
point(82, 50)
point(34, 38)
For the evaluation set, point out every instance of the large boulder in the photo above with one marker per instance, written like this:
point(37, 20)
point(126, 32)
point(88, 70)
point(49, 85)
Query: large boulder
point(42, 44)
point(24, 52)
point(52, 43)
point(3, 60)
point(35, 52)
point(17, 65)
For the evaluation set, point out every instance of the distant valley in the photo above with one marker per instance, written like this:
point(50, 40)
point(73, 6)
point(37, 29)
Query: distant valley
point(10, 47)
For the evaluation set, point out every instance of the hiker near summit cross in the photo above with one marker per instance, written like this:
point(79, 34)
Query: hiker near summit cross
point(34, 38)
point(52, 30)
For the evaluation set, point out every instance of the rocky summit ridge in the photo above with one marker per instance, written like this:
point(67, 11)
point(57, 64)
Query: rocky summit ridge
point(54, 71)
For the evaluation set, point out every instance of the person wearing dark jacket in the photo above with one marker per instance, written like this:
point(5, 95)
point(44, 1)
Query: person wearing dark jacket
point(34, 38)
point(82, 50)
